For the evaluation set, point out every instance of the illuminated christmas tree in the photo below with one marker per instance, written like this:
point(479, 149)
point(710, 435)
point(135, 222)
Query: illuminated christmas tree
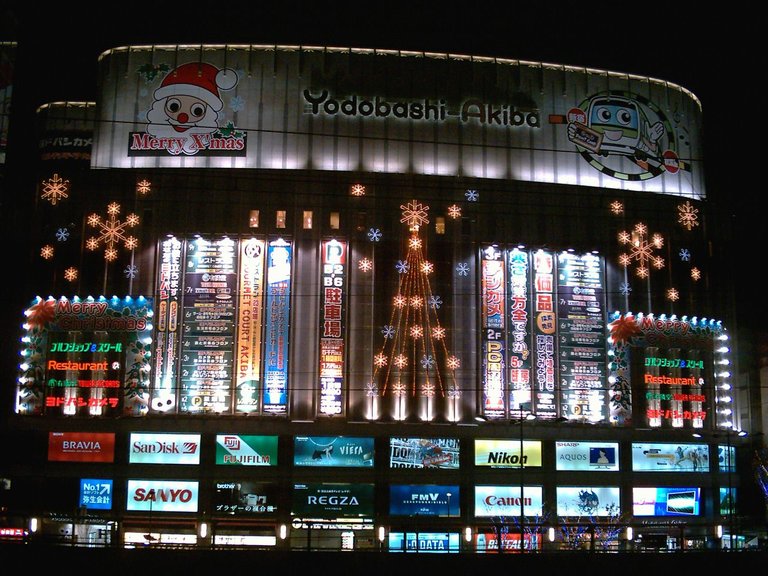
point(413, 365)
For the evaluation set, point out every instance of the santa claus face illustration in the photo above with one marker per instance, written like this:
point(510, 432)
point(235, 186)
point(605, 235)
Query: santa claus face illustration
point(187, 104)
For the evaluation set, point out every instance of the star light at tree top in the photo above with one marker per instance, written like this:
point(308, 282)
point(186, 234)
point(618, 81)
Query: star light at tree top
point(641, 250)
point(55, 189)
point(413, 356)
point(687, 215)
point(112, 232)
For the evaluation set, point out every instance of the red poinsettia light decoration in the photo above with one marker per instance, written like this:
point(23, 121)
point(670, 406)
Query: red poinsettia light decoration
point(41, 313)
point(624, 328)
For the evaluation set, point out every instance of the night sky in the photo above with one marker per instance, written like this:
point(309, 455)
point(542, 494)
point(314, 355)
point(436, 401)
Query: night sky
point(679, 42)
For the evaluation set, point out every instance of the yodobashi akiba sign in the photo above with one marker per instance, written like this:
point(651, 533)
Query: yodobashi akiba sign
point(288, 108)
point(232, 449)
point(162, 496)
point(152, 448)
point(332, 500)
point(81, 447)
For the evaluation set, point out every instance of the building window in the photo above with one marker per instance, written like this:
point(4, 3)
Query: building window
point(307, 219)
point(334, 220)
point(253, 219)
point(280, 219)
point(439, 225)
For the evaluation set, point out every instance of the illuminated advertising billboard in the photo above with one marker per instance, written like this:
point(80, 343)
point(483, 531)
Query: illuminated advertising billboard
point(423, 500)
point(85, 357)
point(519, 335)
point(236, 450)
point(588, 501)
point(424, 542)
point(587, 456)
point(276, 330)
point(154, 448)
point(167, 329)
point(666, 501)
point(728, 501)
point(245, 498)
point(424, 453)
point(670, 457)
point(250, 318)
point(506, 453)
point(332, 327)
point(96, 494)
point(162, 496)
point(493, 501)
point(208, 309)
point(332, 500)
point(81, 447)
point(488, 542)
point(726, 458)
point(341, 451)
point(494, 333)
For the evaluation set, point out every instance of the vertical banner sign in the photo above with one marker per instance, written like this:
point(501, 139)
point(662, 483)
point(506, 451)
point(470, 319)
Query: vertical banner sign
point(581, 345)
point(544, 326)
point(249, 325)
point(210, 285)
point(332, 327)
point(519, 355)
point(277, 321)
point(493, 332)
point(167, 340)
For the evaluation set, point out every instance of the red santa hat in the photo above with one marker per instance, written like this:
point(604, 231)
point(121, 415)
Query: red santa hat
point(200, 80)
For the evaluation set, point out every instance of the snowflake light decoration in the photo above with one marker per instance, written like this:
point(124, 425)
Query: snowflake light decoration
point(427, 361)
point(695, 274)
point(641, 250)
point(438, 333)
point(62, 234)
point(365, 265)
point(131, 271)
point(617, 207)
point(414, 215)
point(454, 211)
point(435, 302)
point(70, 274)
point(428, 389)
point(380, 360)
point(416, 301)
point(46, 252)
point(453, 363)
point(112, 232)
point(472, 195)
point(388, 331)
point(414, 243)
point(237, 103)
point(357, 190)
point(143, 187)
point(454, 392)
point(399, 389)
point(399, 301)
point(625, 288)
point(427, 267)
point(462, 269)
point(685, 255)
point(402, 267)
point(374, 235)
point(371, 390)
point(55, 189)
point(688, 216)
point(673, 295)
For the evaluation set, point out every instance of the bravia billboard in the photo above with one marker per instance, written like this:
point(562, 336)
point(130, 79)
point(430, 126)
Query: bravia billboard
point(81, 446)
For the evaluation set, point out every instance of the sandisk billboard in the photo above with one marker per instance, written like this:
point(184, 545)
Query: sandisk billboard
point(152, 448)
point(162, 495)
point(81, 447)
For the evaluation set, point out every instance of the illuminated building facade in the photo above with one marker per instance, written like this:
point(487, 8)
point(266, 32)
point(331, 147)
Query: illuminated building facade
point(335, 298)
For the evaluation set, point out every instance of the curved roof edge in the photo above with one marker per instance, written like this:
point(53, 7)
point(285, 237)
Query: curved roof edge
point(65, 104)
point(403, 53)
